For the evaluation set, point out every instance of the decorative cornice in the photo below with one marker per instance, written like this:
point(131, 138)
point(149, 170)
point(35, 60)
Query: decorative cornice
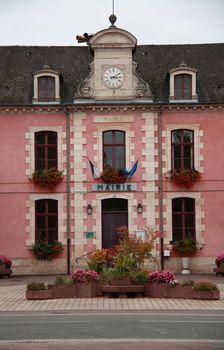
point(112, 106)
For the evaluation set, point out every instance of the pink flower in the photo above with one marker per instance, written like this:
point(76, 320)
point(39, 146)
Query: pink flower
point(162, 277)
point(83, 276)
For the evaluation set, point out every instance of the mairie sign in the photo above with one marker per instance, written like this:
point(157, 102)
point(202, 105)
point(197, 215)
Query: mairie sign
point(126, 187)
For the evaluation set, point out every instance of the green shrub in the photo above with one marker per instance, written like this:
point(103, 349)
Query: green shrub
point(188, 283)
point(36, 286)
point(205, 286)
point(63, 280)
point(140, 276)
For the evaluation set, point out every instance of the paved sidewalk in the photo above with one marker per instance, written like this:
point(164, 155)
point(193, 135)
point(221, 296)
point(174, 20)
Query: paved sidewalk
point(12, 298)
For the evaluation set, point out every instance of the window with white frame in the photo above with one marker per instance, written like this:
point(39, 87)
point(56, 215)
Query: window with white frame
point(46, 220)
point(182, 84)
point(46, 154)
point(183, 218)
point(46, 86)
point(182, 149)
point(114, 149)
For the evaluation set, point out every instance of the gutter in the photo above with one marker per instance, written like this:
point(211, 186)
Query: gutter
point(68, 190)
point(160, 187)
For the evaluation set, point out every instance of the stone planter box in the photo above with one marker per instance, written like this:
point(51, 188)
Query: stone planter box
point(86, 290)
point(164, 290)
point(38, 294)
point(4, 271)
point(62, 291)
point(206, 295)
point(157, 290)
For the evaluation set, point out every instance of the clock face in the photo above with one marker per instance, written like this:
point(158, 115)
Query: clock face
point(113, 78)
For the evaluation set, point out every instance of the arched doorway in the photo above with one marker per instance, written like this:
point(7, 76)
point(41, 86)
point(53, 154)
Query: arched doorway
point(114, 215)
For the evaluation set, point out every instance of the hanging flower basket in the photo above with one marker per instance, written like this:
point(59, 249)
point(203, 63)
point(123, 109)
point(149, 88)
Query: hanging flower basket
point(48, 177)
point(113, 176)
point(185, 177)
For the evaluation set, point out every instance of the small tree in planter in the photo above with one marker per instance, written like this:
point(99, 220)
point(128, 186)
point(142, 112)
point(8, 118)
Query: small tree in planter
point(86, 283)
point(49, 178)
point(185, 177)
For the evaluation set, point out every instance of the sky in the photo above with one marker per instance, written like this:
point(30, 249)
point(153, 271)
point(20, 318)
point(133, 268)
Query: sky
point(57, 22)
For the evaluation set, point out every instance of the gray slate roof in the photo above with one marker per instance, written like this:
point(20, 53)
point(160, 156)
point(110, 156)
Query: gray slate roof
point(18, 63)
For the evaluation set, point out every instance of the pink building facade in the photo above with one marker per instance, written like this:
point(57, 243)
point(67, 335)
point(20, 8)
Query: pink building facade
point(67, 107)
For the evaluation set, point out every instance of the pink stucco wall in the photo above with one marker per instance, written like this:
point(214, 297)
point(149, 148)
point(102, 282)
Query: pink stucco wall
point(15, 186)
point(211, 184)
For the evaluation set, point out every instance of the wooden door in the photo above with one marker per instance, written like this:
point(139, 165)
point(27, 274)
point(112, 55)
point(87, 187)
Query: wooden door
point(114, 215)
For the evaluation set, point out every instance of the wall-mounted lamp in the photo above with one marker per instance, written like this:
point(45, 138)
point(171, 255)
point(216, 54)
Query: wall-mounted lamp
point(139, 208)
point(89, 209)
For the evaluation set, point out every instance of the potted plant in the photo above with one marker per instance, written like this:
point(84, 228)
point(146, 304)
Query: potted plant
point(185, 177)
point(206, 290)
point(185, 248)
point(37, 291)
point(5, 266)
point(219, 261)
point(49, 178)
point(86, 282)
point(159, 282)
point(46, 251)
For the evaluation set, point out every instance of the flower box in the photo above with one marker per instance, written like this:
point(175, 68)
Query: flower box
point(86, 290)
point(49, 178)
point(38, 294)
point(4, 271)
point(62, 291)
point(185, 177)
point(165, 290)
point(206, 295)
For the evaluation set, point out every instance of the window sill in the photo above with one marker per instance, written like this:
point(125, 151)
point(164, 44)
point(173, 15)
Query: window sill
point(183, 101)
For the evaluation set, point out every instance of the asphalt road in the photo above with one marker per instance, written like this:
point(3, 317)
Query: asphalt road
point(112, 327)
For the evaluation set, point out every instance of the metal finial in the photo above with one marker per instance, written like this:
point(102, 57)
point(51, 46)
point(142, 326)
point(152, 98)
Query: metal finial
point(112, 20)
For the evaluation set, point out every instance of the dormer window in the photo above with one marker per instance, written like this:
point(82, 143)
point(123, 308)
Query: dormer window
point(46, 86)
point(46, 89)
point(183, 84)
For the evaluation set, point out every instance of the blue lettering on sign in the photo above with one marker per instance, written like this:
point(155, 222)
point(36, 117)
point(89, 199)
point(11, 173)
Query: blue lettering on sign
point(126, 187)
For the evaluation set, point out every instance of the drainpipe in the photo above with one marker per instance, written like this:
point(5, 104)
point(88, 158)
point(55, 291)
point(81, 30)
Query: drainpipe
point(160, 187)
point(68, 190)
